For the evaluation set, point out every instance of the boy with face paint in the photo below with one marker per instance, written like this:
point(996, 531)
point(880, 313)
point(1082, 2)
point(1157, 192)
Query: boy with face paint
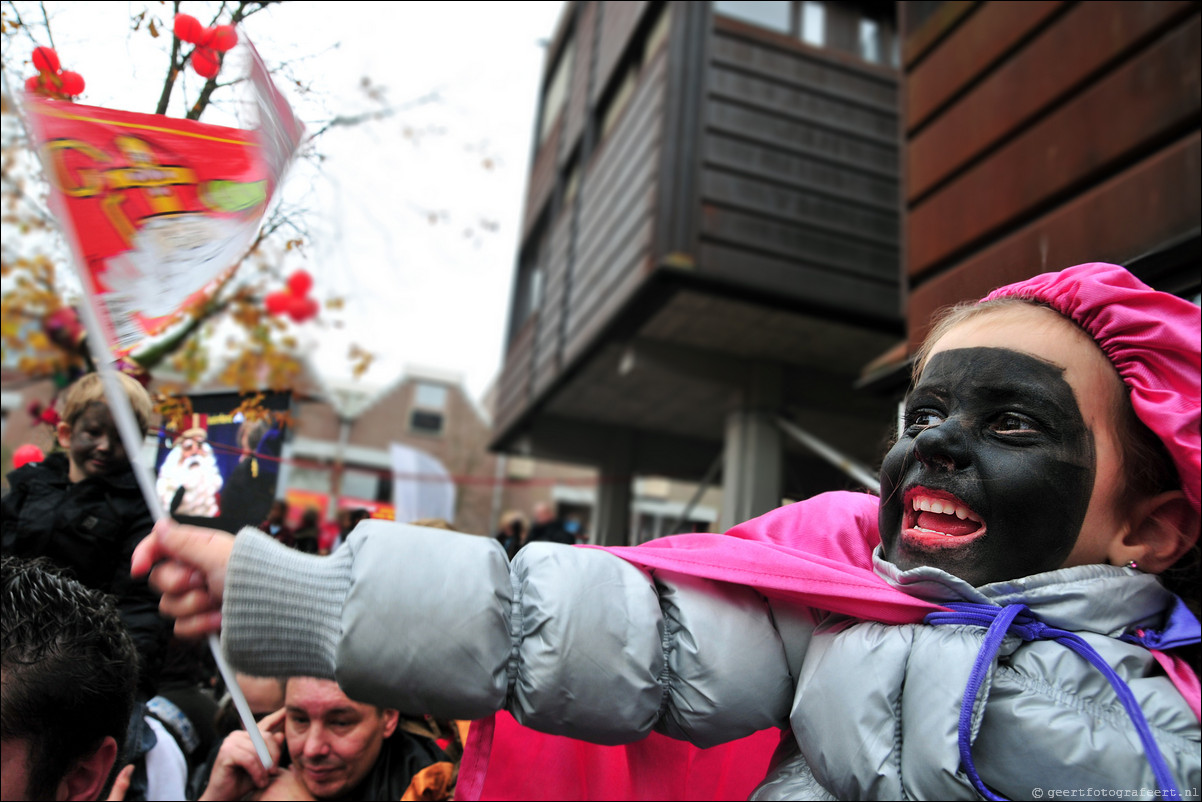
point(1007, 638)
point(82, 509)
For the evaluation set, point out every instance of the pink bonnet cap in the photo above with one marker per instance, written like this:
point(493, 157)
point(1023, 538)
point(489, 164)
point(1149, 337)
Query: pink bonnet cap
point(1152, 338)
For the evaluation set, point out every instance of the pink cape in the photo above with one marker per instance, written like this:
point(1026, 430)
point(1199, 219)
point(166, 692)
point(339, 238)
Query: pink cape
point(817, 552)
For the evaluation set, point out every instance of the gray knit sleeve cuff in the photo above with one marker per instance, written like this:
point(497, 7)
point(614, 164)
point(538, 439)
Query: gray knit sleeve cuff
point(282, 612)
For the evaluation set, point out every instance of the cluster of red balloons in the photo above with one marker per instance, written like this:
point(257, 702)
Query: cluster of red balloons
point(52, 80)
point(209, 43)
point(294, 301)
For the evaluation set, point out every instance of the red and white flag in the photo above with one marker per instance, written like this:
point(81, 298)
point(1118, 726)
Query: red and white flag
point(157, 209)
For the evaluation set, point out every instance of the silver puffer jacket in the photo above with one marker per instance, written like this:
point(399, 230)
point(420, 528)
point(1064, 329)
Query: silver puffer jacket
point(579, 642)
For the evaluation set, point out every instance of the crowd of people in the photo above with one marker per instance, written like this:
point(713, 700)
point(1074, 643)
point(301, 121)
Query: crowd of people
point(84, 642)
point(310, 535)
point(1016, 615)
point(514, 531)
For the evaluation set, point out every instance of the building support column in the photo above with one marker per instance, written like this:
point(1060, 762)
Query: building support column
point(615, 493)
point(753, 470)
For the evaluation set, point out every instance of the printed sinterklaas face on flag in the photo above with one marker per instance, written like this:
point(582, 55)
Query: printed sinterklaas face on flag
point(157, 209)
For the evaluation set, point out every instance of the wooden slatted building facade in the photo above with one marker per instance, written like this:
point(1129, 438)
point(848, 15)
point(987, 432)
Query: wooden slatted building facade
point(1045, 134)
point(711, 240)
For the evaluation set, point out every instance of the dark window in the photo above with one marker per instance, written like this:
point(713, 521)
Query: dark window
point(424, 421)
point(384, 487)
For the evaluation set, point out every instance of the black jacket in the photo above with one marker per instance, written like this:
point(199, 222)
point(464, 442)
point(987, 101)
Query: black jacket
point(402, 755)
point(552, 532)
point(89, 528)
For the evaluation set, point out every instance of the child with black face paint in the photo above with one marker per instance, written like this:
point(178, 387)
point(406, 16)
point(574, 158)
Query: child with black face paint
point(1007, 638)
point(82, 508)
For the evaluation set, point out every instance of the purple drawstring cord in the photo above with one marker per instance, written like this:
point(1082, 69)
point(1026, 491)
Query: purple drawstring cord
point(1017, 619)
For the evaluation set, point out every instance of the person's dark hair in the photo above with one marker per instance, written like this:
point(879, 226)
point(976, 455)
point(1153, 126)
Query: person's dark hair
point(70, 670)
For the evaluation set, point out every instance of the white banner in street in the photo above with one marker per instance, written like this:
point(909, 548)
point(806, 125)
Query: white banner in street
point(422, 488)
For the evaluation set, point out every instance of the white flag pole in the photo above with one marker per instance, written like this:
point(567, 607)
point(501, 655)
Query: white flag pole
point(131, 439)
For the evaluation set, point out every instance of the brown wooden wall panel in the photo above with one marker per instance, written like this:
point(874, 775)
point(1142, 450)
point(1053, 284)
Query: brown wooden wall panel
point(920, 38)
point(801, 171)
point(611, 189)
point(612, 193)
point(550, 330)
point(975, 46)
point(773, 201)
point(618, 21)
point(819, 286)
point(862, 84)
point(799, 102)
point(799, 178)
point(577, 105)
point(788, 240)
point(513, 391)
point(1147, 98)
point(766, 127)
point(1148, 205)
point(592, 310)
point(1052, 66)
point(542, 179)
point(617, 212)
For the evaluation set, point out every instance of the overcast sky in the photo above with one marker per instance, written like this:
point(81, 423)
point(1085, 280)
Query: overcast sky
point(418, 293)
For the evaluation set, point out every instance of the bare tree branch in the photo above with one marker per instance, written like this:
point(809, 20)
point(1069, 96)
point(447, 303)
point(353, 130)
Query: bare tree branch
point(46, 19)
point(173, 68)
point(349, 120)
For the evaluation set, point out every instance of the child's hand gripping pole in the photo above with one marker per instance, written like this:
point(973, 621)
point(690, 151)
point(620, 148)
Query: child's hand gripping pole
point(127, 427)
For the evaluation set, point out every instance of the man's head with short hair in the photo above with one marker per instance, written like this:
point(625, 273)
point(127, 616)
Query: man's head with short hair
point(334, 741)
point(69, 674)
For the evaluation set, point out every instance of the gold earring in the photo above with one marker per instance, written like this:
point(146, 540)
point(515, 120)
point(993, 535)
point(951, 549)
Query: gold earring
point(1132, 564)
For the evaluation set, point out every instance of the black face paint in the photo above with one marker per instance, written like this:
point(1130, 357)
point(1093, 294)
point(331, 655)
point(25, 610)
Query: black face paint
point(995, 438)
point(96, 448)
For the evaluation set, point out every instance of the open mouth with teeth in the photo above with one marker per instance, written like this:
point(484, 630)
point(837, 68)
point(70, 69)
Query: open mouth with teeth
point(937, 518)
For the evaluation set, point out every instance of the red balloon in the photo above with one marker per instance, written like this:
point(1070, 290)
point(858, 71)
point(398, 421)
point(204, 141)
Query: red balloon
point(311, 308)
point(300, 283)
point(46, 60)
point(301, 309)
point(187, 28)
point(204, 61)
point(26, 454)
point(277, 303)
point(72, 83)
point(224, 38)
